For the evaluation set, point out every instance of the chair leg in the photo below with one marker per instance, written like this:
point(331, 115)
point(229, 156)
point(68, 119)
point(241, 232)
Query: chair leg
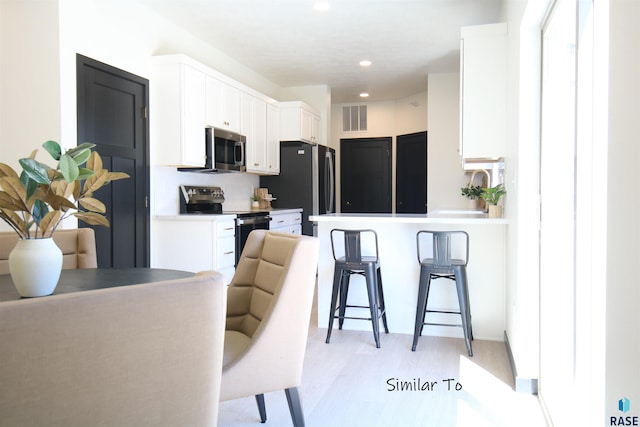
point(372, 293)
point(381, 305)
point(261, 408)
point(420, 306)
point(295, 406)
point(344, 292)
point(337, 278)
point(465, 311)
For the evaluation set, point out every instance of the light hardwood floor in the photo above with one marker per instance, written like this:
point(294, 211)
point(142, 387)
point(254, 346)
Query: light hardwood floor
point(350, 383)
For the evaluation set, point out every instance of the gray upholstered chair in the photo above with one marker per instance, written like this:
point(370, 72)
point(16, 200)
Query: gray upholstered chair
point(78, 248)
point(268, 312)
point(140, 355)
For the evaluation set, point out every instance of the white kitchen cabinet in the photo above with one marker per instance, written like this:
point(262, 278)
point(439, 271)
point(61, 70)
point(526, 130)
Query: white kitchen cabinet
point(254, 127)
point(483, 91)
point(178, 106)
point(286, 222)
point(273, 139)
point(299, 122)
point(199, 244)
point(222, 105)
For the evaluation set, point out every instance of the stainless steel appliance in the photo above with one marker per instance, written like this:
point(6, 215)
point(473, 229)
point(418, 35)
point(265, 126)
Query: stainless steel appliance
point(225, 151)
point(306, 180)
point(201, 200)
point(228, 150)
point(246, 222)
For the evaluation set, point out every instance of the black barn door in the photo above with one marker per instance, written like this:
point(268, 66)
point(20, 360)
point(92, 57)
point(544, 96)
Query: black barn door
point(112, 111)
point(411, 173)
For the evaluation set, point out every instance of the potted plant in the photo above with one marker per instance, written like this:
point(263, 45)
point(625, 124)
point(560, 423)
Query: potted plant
point(36, 201)
point(492, 196)
point(474, 193)
point(255, 201)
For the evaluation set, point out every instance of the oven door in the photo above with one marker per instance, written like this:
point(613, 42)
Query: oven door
point(244, 226)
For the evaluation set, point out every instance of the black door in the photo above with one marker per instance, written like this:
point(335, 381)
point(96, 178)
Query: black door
point(411, 173)
point(365, 175)
point(112, 111)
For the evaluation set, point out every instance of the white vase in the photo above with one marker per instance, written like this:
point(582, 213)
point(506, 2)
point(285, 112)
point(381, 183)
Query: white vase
point(35, 266)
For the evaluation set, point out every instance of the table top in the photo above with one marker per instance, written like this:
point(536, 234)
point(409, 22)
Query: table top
point(76, 280)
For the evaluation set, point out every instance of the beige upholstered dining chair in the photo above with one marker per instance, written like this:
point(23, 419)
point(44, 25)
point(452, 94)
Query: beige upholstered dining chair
point(78, 248)
point(139, 355)
point(268, 311)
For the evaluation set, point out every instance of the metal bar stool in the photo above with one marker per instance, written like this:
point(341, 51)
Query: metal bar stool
point(353, 262)
point(442, 266)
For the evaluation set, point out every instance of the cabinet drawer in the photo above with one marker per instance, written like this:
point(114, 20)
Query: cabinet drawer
point(279, 221)
point(225, 252)
point(295, 219)
point(225, 228)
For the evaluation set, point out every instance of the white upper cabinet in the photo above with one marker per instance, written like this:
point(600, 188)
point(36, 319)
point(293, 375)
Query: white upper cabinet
point(483, 91)
point(188, 97)
point(299, 122)
point(273, 139)
point(178, 108)
point(223, 105)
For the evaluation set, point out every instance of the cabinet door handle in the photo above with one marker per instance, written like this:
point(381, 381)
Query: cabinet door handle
point(228, 253)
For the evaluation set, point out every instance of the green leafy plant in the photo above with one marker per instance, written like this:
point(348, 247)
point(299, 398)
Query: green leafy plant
point(494, 194)
point(471, 192)
point(255, 198)
point(42, 196)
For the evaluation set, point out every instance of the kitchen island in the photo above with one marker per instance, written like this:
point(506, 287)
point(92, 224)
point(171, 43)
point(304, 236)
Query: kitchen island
point(400, 272)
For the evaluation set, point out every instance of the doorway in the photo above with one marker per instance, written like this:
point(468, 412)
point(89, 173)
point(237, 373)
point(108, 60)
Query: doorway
point(411, 173)
point(365, 173)
point(112, 113)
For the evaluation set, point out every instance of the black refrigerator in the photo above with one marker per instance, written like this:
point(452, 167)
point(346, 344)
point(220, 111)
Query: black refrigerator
point(306, 180)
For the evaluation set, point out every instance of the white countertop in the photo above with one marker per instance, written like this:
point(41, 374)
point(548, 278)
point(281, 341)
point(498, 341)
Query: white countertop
point(217, 217)
point(434, 217)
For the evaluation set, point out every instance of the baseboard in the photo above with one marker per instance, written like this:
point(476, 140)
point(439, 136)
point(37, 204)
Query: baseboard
point(521, 385)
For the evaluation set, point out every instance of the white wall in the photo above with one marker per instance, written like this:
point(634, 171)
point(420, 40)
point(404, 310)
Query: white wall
point(29, 78)
point(623, 228)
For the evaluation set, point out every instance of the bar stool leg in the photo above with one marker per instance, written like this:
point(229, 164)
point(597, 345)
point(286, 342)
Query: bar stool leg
point(337, 279)
point(463, 301)
point(372, 292)
point(421, 305)
point(381, 305)
point(344, 293)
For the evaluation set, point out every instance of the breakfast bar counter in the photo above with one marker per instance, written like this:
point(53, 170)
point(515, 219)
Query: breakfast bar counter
point(400, 271)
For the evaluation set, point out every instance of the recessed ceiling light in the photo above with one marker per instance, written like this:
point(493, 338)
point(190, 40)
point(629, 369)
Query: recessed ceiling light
point(365, 63)
point(321, 6)
point(364, 95)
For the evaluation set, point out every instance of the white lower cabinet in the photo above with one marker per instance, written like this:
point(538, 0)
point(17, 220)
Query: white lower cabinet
point(286, 222)
point(195, 245)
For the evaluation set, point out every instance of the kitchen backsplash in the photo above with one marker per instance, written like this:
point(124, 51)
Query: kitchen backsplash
point(165, 180)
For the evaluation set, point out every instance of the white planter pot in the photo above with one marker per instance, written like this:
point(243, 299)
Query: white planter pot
point(35, 266)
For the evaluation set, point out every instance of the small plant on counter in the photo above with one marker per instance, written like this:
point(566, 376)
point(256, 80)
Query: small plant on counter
point(471, 192)
point(494, 194)
point(255, 198)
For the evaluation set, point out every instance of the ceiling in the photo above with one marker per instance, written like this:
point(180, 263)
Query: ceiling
point(291, 44)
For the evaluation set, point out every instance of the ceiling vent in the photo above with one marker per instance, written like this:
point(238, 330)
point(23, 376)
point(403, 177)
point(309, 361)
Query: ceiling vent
point(354, 118)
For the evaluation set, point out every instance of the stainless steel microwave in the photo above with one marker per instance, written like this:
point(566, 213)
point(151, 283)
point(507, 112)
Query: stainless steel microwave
point(226, 151)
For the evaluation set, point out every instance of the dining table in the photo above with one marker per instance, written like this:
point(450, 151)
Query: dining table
point(85, 279)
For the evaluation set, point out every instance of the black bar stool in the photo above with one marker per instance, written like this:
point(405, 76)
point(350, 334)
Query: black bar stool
point(442, 266)
point(353, 262)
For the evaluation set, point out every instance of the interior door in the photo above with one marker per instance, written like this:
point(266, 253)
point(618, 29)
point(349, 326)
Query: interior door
point(112, 113)
point(411, 173)
point(365, 175)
